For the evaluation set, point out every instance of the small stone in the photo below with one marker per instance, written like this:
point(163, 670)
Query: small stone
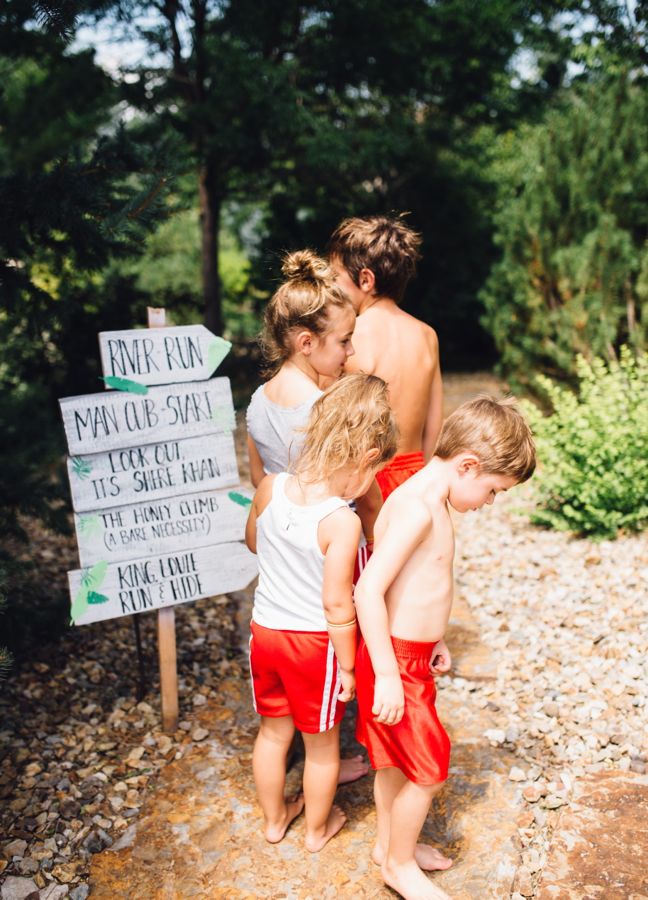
point(525, 819)
point(136, 753)
point(199, 734)
point(80, 892)
point(532, 793)
point(28, 866)
point(54, 892)
point(184, 726)
point(495, 735)
point(33, 769)
point(517, 774)
point(15, 848)
point(132, 799)
point(553, 801)
point(523, 882)
point(64, 872)
point(14, 888)
point(637, 766)
point(533, 860)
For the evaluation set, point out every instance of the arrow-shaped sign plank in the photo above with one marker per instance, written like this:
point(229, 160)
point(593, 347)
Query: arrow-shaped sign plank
point(149, 356)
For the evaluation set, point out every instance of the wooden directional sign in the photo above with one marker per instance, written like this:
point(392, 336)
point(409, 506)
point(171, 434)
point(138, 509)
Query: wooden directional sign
point(107, 591)
point(101, 480)
point(162, 526)
point(148, 356)
point(96, 422)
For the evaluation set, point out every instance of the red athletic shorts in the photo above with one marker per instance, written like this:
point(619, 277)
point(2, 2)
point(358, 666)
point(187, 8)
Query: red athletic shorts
point(418, 745)
point(295, 673)
point(399, 470)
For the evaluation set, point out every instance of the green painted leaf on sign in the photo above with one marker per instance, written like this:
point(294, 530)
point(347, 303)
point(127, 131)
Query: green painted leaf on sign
point(239, 498)
point(217, 351)
point(81, 467)
point(89, 525)
point(90, 578)
point(125, 384)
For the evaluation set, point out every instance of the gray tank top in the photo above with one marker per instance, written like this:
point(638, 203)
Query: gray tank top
point(272, 428)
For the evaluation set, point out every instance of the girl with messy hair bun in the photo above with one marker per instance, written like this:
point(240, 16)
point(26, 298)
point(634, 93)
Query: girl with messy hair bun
point(306, 340)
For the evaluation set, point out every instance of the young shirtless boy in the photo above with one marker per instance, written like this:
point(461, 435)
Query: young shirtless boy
point(374, 259)
point(403, 602)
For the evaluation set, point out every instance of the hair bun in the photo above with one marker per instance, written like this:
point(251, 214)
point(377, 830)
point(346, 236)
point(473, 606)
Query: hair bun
point(304, 265)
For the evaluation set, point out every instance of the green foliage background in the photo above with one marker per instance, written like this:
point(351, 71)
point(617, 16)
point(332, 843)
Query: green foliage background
point(593, 449)
point(572, 226)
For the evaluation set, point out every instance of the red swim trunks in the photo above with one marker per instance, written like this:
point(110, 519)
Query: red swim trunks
point(295, 673)
point(399, 470)
point(418, 745)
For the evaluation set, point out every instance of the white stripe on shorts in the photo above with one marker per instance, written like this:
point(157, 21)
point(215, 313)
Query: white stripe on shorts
point(326, 694)
point(254, 703)
point(336, 691)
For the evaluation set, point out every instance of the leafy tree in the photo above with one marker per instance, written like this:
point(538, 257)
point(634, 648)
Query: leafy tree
point(75, 191)
point(573, 234)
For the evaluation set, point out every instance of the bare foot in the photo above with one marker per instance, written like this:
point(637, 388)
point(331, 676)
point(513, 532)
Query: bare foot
point(427, 858)
point(351, 769)
point(275, 832)
point(335, 821)
point(410, 882)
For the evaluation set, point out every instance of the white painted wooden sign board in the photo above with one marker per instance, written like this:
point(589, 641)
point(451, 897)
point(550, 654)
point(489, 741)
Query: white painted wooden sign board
point(149, 472)
point(108, 591)
point(99, 422)
point(162, 526)
point(160, 355)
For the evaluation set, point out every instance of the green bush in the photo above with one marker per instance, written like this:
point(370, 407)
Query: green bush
point(593, 449)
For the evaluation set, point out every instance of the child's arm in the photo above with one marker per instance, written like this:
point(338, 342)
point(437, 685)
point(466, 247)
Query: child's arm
point(259, 503)
point(368, 508)
point(407, 526)
point(338, 535)
point(257, 472)
point(434, 418)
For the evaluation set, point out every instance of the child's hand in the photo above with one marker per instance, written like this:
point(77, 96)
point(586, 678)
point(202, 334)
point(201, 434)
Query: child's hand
point(441, 661)
point(389, 700)
point(347, 691)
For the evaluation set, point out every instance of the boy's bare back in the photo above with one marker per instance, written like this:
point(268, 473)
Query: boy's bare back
point(415, 539)
point(404, 352)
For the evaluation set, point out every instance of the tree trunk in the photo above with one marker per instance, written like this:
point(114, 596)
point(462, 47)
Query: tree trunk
point(210, 207)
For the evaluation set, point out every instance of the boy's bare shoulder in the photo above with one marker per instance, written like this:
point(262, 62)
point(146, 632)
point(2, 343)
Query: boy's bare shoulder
point(407, 509)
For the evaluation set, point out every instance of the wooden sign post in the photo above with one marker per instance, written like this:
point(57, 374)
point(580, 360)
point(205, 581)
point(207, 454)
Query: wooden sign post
point(151, 469)
point(167, 654)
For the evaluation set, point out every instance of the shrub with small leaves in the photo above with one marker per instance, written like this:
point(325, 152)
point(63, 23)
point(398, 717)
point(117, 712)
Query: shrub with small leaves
point(593, 449)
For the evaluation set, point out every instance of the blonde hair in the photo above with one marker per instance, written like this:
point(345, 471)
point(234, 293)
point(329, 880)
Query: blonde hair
point(496, 432)
point(350, 418)
point(385, 245)
point(301, 302)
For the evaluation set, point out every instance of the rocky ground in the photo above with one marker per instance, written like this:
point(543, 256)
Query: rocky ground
point(547, 700)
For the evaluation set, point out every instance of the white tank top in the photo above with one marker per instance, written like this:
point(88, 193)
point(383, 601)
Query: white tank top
point(272, 428)
point(291, 565)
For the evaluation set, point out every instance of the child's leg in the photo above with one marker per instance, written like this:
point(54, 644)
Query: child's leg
point(321, 769)
point(388, 783)
point(409, 808)
point(269, 767)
